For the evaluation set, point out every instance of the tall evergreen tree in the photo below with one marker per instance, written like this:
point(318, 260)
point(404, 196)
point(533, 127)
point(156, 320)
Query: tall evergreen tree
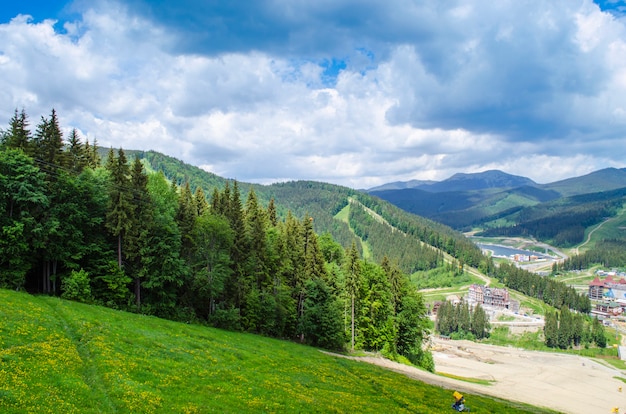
point(186, 215)
point(76, 153)
point(235, 215)
point(565, 328)
point(551, 330)
point(272, 216)
point(120, 209)
point(138, 240)
point(480, 322)
point(19, 136)
point(49, 145)
point(255, 230)
point(353, 275)
point(199, 199)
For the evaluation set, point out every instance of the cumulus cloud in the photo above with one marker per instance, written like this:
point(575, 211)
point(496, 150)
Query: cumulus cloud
point(355, 93)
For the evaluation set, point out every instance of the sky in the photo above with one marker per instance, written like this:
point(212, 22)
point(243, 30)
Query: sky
point(356, 93)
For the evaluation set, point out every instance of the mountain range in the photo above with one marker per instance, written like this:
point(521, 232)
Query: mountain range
point(495, 199)
point(493, 202)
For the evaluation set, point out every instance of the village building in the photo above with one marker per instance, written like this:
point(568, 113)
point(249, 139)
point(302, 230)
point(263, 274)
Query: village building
point(607, 289)
point(488, 296)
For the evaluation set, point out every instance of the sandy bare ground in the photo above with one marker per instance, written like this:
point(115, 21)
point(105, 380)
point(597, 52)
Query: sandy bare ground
point(566, 383)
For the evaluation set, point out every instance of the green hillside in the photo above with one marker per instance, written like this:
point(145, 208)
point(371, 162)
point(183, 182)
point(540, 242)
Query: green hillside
point(561, 222)
point(323, 201)
point(60, 356)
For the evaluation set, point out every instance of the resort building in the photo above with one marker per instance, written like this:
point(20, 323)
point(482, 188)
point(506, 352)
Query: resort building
point(489, 296)
point(608, 288)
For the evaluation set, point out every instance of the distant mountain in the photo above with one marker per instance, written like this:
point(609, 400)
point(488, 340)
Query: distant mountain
point(461, 182)
point(494, 199)
point(402, 185)
point(479, 181)
point(602, 180)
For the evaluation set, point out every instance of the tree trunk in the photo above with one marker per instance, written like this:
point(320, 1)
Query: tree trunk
point(138, 292)
point(119, 251)
point(54, 276)
point(352, 342)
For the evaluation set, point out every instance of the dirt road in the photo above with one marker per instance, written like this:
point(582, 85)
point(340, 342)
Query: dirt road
point(566, 383)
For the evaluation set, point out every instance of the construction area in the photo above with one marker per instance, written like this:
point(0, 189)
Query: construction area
point(562, 382)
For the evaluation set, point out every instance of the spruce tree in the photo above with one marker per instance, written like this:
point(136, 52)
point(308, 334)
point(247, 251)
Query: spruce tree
point(137, 240)
point(271, 213)
point(352, 285)
point(19, 136)
point(120, 209)
point(76, 153)
point(49, 145)
point(199, 200)
point(551, 330)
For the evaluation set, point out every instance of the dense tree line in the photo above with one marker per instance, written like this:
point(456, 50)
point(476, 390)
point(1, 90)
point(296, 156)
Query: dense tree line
point(552, 292)
point(607, 253)
point(323, 201)
point(427, 231)
point(406, 248)
point(566, 329)
point(558, 226)
point(118, 236)
point(462, 322)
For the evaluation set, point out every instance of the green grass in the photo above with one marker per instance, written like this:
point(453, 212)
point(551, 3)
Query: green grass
point(59, 356)
point(614, 228)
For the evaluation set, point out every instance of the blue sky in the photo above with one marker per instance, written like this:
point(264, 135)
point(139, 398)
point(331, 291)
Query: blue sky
point(350, 92)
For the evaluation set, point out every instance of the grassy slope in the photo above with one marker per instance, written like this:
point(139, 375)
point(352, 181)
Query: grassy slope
point(613, 228)
point(60, 356)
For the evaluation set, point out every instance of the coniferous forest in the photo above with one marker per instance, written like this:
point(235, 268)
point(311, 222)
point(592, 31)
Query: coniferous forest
point(107, 232)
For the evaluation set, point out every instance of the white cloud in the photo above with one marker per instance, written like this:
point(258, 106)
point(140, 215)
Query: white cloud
point(534, 89)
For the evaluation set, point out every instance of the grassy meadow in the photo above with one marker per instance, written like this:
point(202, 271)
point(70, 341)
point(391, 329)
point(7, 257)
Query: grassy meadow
point(59, 356)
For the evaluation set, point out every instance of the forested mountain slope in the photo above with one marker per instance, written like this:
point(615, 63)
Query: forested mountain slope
point(322, 202)
point(507, 205)
point(561, 222)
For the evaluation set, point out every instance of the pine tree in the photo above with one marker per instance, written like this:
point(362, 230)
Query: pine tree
point(480, 322)
point(255, 227)
point(353, 275)
point(565, 328)
point(199, 200)
point(234, 213)
point(76, 153)
point(186, 215)
point(551, 330)
point(49, 145)
point(121, 208)
point(465, 320)
point(137, 240)
point(597, 332)
point(271, 213)
point(18, 135)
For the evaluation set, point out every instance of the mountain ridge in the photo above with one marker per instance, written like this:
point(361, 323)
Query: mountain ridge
point(492, 199)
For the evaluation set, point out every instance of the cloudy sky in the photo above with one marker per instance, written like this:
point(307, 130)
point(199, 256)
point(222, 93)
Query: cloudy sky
point(350, 92)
